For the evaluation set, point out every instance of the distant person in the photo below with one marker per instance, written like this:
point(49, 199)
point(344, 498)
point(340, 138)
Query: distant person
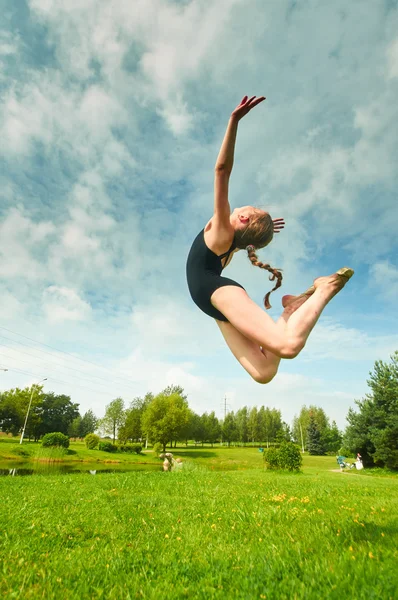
point(255, 340)
point(358, 462)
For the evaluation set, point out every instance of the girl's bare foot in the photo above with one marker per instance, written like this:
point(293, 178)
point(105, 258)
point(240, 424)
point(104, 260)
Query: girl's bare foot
point(332, 284)
point(292, 303)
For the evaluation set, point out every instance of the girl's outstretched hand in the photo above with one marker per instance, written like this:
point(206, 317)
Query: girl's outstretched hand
point(278, 225)
point(245, 106)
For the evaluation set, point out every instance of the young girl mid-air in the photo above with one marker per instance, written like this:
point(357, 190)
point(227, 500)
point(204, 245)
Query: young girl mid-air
point(255, 340)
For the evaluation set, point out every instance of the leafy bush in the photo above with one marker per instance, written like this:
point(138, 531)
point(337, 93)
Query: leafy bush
point(287, 457)
point(157, 448)
point(55, 439)
point(130, 448)
point(107, 447)
point(92, 440)
point(290, 457)
point(271, 458)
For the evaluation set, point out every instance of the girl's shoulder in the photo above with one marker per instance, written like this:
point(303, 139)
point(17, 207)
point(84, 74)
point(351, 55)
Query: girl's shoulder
point(218, 238)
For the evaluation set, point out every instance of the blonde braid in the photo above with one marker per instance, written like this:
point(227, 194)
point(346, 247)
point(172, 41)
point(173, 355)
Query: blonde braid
point(275, 273)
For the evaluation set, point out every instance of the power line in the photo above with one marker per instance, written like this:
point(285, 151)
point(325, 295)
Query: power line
point(47, 370)
point(63, 352)
point(58, 380)
point(55, 363)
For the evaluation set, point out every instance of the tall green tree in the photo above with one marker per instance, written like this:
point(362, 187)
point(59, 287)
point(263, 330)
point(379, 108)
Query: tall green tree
point(284, 434)
point(88, 423)
point(131, 429)
point(314, 440)
point(113, 418)
point(186, 432)
point(174, 389)
point(242, 424)
point(373, 430)
point(74, 427)
point(253, 425)
point(165, 418)
point(13, 408)
point(198, 428)
point(303, 420)
point(229, 429)
point(55, 413)
point(270, 423)
point(332, 438)
point(213, 428)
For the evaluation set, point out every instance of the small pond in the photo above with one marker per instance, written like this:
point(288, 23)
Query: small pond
point(54, 468)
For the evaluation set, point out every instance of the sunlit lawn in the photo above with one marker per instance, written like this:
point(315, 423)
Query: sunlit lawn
point(200, 533)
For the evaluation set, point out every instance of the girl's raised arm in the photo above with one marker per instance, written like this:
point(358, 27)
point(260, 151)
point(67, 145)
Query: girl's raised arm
point(225, 161)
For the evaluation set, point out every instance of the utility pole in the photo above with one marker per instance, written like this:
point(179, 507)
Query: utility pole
point(225, 413)
point(302, 440)
point(27, 414)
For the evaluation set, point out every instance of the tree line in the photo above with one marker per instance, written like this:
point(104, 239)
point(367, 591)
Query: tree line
point(167, 419)
point(49, 412)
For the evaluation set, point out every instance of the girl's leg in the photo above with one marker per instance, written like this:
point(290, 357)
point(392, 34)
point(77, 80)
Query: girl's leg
point(261, 364)
point(250, 320)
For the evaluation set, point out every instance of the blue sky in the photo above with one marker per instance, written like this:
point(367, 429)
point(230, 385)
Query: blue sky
point(111, 117)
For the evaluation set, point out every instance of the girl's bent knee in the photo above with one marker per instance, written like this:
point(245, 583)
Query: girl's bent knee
point(264, 378)
point(291, 349)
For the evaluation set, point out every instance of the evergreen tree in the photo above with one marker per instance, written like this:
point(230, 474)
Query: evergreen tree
point(332, 438)
point(373, 431)
point(301, 423)
point(314, 441)
point(88, 423)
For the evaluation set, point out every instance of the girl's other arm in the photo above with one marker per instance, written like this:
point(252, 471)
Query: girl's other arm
point(223, 169)
point(225, 161)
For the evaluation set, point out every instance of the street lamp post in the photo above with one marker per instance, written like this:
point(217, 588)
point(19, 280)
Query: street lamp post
point(27, 414)
point(302, 440)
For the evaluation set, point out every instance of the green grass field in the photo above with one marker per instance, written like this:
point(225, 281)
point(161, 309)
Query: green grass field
point(220, 528)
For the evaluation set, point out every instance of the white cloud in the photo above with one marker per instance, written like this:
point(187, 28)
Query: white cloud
point(63, 304)
point(384, 278)
point(164, 324)
point(331, 339)
point(392, 57)
point(8, 44)
point(20, 238)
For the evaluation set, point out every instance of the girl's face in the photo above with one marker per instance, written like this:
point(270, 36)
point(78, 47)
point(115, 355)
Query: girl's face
point(240, 217)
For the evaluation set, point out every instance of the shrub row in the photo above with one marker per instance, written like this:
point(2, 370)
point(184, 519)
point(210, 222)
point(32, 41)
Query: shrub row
point(93, 441)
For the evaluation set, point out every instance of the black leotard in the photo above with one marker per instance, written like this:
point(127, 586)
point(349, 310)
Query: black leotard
point(204, 275)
